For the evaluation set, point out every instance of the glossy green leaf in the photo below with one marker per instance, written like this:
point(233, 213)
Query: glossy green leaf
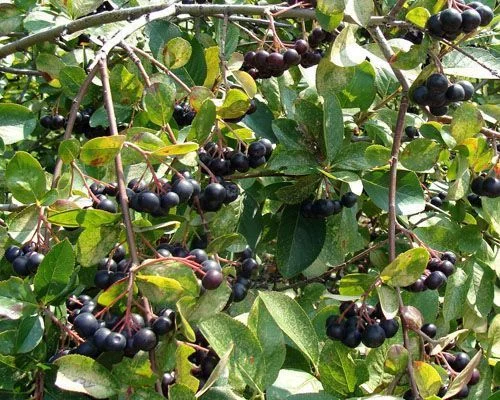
point(82, 218)
point(16, 299)
point(101, 150)
point(69, 150)
point(293, 321)
point(418, 16)
point(177, 53)
point(126, 87)
point(235, 105)
point(23, 224)
point(159, 102)
point(333, 127)
point(16, 122)
point(467, 122)
point(203, 121)
point(337, 369)
point(420, 155)
point(159, 289)
point(71, 78)
point(94, 243)
point(84, 375)
point(409, 194)
point(25, 178)
point(406, 268)
point(54, 272)
point(300, 241)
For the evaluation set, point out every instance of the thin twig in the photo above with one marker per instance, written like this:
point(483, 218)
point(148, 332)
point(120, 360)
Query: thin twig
point(20, 71)
point(137, 62)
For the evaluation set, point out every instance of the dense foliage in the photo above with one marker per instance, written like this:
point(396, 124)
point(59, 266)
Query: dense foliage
point(237, 201)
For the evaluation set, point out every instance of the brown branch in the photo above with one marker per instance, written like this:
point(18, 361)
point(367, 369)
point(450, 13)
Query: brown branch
point(137, 62)
point(20, 71)
point(71, 121)
point(397, 8)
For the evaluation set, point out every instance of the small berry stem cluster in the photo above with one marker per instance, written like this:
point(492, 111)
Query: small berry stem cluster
point(25, 260)
point(323, 208)
point(436, 274)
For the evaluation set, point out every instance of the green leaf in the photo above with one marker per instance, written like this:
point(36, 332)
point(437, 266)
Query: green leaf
point(427, 378)
point(29, 334)
point(159, 101)
point(494, 336)
point(135, 371)
point(293, 321)
point(345, 51)
point(409, 193)
point(159, 289)
point(388, 301)
point(126, 88)
point(179, 272)
point(467, 122)
point(23, 224)
point(235, 104)
point(299, 241)
point(233, 242)
point(69, 150)
point(101, 150)
point(270, 337)
point(183, 367)
point(16, 299)
point(377, 155)
point(175, 150)
point(337, 369)
point(87, 218)
point(455, 295)
point(224, 333)
point(181, 392)
point(100, 120)
point(79, 8)
point(481, 289)
point(71, 78)
point(333, 125)
point(210, 303)
point(54, 272)
point(94, 243)
point(177, 53)
point(456, 63)
point(16, 122)
point(25, 178)
point(213, 65)
point(359, 10)
point(203, 121)
point(330, 13)
point(356, 284)
point(292, 382)
point(418, 16)
point(406, 268)
point(81, 374)
point(108, 296)
point(420, 155)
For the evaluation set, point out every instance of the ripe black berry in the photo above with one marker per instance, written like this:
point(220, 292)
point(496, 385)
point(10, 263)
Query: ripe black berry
point(468, 89)
point(162, 325)
point(248, 266)
point(199, 255)
point(85, 324)
point(421, 95)
point(215, 192)
point(471, 19)
point(336, 331)
point(447, 267)
point(257, 150)
point(411, 132)
point(57, 122)
point(435, 280)
point(491, 187)
point(373, 336)
point(239, 292)
point(348, 305)
point(20, 266)
point(100, 337)
point(352, 339)
point(107, 205)
point(145, 339)
point(390, 327)
point(256, 162)
point(474, 200)
point(436, 201)
point(438, 111)
point(232, 192)
point(477, 185)
point(240, 162)
point(260, 60)
point(137, 185)
point(463, 393)
point(212, 279)
point(88, 349)
point(437, 83)
point(475, 377)
point(275, 61)
point(210, 265)
point(486, 14)
point(460, 362)
point(148, 202)
point(455, 93)
point(451, 20)
point(430, 330)
point(101, 279)
point(46, 121)
point(169, 200)
point(291, 57)
point(349, 199)
point(115, 342)
point(184, 189)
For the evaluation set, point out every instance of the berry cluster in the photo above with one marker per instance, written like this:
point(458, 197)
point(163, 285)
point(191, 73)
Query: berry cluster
point(437, 93)
point(437, 201)
point(102, 193)
point(365, 324)
point(436, 274)
point(458, 362)
point(53, 122)
point(113, 332)
point(489, 186)
point(225, 161)
point(183, 114)
point(82, 124)
point(25, 260)
point(112, 269)
point(323, 208)
point(450, 23)
point(210, 271)
point(204, 359)
point(215, 194)
point(244, 275)
point(262, 64)
point(179, 190)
